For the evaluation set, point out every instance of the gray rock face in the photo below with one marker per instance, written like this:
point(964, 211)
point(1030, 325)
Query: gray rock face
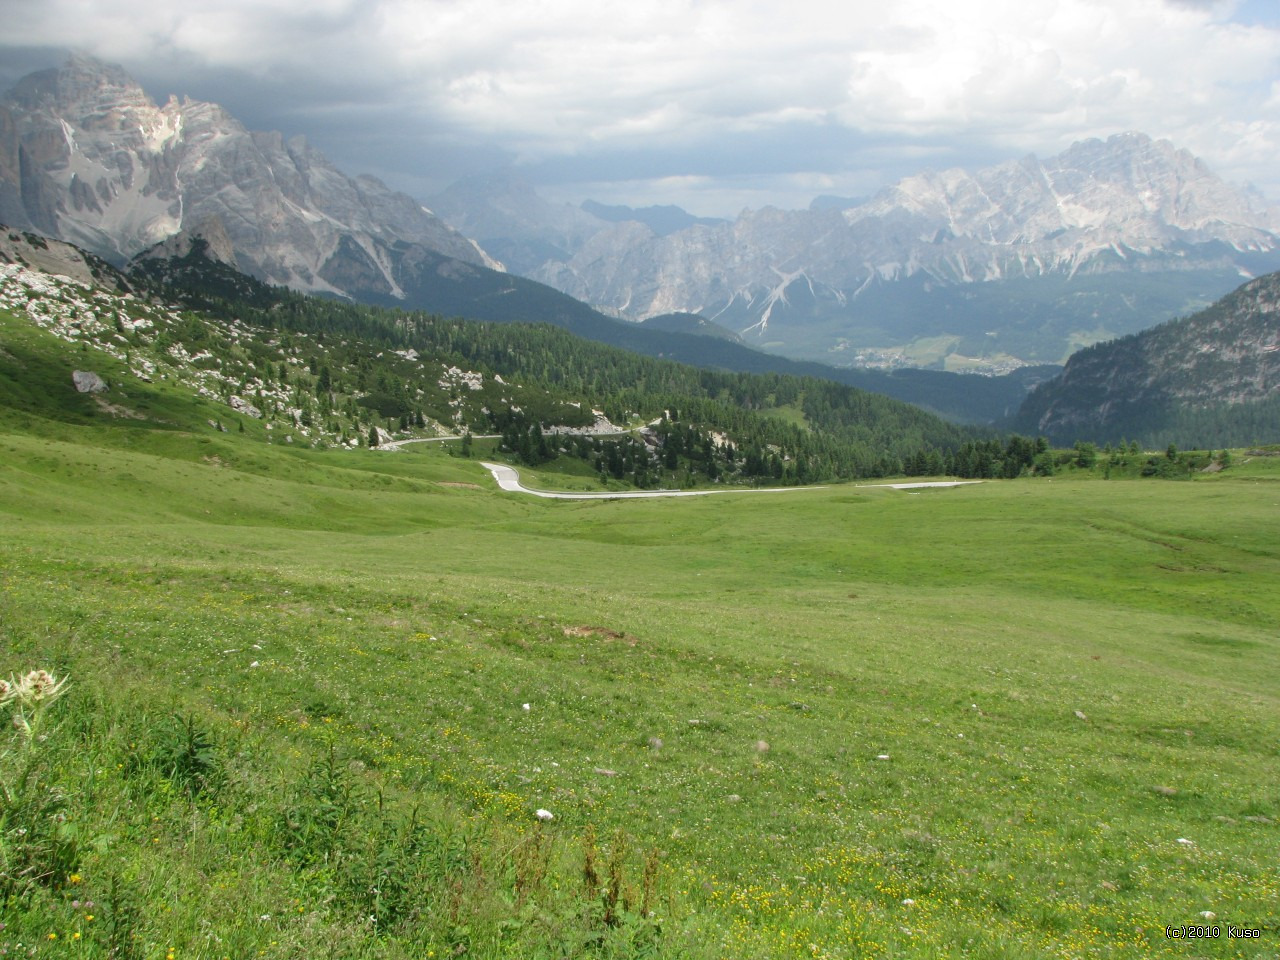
point(86, 381)
point(87, 157)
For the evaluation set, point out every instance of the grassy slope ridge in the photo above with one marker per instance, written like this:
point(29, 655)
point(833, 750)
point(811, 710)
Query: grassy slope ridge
point(451, 288)
point(1072, 684)
point(849, 431)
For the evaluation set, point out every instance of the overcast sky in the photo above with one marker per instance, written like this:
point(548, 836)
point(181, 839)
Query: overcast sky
point(711, 104)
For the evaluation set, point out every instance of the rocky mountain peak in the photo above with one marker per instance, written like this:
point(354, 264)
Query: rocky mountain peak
point(884, 280)
point(82, 86)
point(86, 156)
point(209, 237)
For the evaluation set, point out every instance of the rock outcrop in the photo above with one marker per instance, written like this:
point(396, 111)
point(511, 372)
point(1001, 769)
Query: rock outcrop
point(87, 157)
point(86, 381)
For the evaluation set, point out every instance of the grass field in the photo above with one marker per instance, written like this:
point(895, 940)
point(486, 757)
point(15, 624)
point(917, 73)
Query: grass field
point(1033, 718)
point(318, 697)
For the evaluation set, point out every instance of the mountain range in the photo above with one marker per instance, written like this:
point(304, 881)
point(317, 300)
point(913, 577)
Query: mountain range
point(1018, 263)
point(987, 271)
point(87, 157)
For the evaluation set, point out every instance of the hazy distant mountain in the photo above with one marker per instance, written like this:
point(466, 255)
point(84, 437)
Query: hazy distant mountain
point(86, 156)
point(662, 220)
point(1208, 380)
point(1022, 262)
point(507, 217)
point(827, 201)
point(689, 323)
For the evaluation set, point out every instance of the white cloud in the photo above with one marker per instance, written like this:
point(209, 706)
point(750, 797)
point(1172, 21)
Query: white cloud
point(579, 78)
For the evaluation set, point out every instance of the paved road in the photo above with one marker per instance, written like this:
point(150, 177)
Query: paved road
point(397, 444)
point(923, 483)
point(509, 480)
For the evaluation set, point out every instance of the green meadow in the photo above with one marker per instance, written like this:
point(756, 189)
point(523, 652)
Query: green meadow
point(1026, 718)
point(318, 698)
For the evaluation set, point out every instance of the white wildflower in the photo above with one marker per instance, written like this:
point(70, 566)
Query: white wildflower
point(39, 686)
point(544, 815)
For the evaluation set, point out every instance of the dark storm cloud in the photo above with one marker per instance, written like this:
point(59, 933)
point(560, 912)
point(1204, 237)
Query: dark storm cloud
point(712, 102)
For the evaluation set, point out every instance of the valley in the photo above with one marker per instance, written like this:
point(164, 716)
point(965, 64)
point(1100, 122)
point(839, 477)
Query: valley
point(365, 595)
point(331, 700)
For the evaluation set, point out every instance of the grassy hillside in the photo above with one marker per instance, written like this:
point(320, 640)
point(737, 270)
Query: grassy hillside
point(1017, 719)
point(447, 288)
point(851, 432)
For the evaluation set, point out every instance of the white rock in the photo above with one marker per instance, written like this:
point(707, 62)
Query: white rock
point(88, 382)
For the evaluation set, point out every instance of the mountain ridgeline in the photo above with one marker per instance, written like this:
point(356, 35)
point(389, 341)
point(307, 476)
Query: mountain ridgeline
point(88, 158)
point(1208, 380)
point(320, 372)
point(982, 272)
point(985, 270)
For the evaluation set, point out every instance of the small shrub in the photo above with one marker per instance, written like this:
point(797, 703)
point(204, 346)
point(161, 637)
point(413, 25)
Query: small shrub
point(180, 750)
point(186, 755)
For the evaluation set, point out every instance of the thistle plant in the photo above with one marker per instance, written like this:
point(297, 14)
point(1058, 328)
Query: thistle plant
point(35, 846)
point(29, 700)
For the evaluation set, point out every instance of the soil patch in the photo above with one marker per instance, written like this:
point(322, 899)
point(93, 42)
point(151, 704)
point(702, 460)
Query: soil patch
point(607, 635)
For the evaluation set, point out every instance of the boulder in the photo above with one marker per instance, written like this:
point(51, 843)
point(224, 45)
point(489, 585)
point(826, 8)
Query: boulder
point(88, 382)
point(241, 405)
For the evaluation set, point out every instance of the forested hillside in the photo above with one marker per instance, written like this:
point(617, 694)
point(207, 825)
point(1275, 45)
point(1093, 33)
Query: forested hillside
point(751, 425)
point(323, 372)
point(1208, 380)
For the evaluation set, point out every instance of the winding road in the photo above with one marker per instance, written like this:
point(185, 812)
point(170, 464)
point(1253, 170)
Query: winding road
point(509, 480)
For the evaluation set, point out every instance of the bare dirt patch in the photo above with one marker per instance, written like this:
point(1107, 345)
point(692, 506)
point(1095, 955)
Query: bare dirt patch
point(116, 410)
point(604, 633)
point(463, 486)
